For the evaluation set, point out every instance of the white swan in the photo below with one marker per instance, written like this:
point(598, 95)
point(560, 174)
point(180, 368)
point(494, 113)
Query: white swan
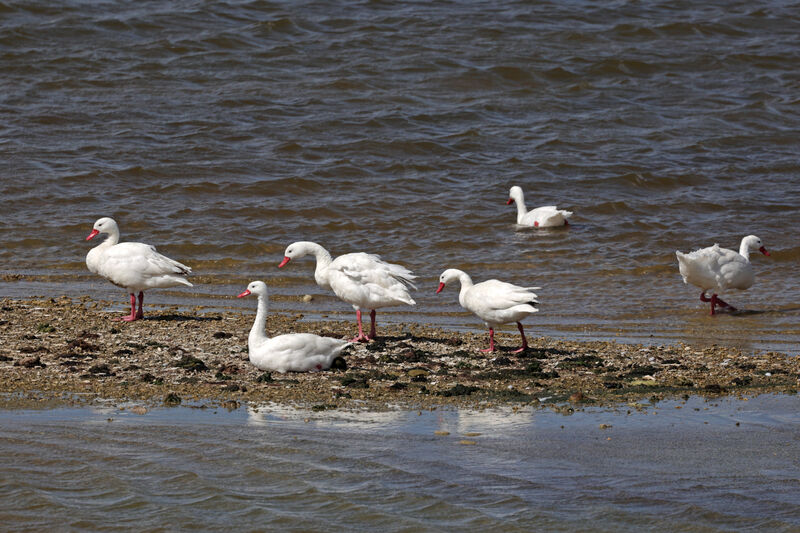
point(133, 266)
point(719, 269)
point(495, 302)
point(542, 217)
point(295, 352)
point(362, 280)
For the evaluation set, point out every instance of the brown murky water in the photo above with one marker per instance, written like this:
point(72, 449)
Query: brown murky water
point(221, 132)
point(710, 466)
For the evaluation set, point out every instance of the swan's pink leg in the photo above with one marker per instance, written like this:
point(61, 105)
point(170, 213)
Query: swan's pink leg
point(132, 316)
point(713, 300)
point(372, 333)
point(491, 341)
point(361, 337)
point(140, 312)
point(524, 340)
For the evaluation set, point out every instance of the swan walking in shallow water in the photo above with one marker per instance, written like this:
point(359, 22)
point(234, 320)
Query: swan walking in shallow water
point(296, 352)
point(495, 302)
point(548, 216)
point(362, 280)
point(133, 266)
point(719, 269)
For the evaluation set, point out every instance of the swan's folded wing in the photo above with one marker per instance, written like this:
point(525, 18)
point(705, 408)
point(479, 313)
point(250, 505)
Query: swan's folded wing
point(497, 294)
point(367, 269)
point(144, 259)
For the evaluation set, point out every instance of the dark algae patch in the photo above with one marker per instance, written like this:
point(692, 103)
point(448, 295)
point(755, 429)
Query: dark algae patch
point(64, 349)
point(191, 363)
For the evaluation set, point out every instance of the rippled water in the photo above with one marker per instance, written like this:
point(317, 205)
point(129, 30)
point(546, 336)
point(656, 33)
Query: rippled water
point(223, 131)
point(718, 466)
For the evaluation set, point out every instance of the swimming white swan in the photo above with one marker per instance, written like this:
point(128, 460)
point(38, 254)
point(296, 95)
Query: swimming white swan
point(295, 352)
point(495, 302)
point(719, 269)
point(362, 280)
point(133, 266)
point(542, 217)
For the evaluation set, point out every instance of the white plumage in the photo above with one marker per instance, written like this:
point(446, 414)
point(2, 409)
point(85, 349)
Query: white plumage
point(293, 352)
point(133, 266)
point(364, 281)
point(493, 301)
point(547, 216)
point(720, 269)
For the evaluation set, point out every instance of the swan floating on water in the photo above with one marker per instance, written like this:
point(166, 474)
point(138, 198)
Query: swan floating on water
point(548, 216)
point(720, 269)
point(295, 352)
point(495, 302)
point(133, 266)
point(362, 280)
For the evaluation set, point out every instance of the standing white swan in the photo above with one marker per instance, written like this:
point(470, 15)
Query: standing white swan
point(362, 280)
point(495, 302)
point(719, 269)
point(133, 266)
point(542, 217)
point(295, 352)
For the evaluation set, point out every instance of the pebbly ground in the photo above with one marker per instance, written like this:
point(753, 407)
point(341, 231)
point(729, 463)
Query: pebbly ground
point(63, 352)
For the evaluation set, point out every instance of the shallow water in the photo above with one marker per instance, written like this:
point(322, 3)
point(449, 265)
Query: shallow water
point(221, 132)
point(709, 466)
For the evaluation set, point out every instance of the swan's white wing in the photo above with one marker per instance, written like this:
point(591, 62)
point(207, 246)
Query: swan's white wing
point(370, 268)
point(139, 265)
point(495, 294)
point(365, 281)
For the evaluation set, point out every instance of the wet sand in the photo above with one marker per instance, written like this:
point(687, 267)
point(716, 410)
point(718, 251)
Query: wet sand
point(66, 352)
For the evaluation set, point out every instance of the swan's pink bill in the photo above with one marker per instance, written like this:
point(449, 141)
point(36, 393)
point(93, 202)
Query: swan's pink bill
point(764, 251)
point(245, 293)
point(285, 260)
point(92, 235)
point(510, 201)
point(441, 286)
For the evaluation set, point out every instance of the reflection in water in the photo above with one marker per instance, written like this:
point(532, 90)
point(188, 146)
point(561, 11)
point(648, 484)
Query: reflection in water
point(732, 462)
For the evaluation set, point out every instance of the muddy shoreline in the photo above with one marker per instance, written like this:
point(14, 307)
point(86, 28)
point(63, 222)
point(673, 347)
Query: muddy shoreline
point(63, 351)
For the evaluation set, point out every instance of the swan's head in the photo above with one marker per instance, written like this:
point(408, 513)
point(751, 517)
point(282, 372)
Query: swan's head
point(103, 225)
point(451, 274)
point(754, 243)
point(514, 194)
point(295, 251)
point(259, 288)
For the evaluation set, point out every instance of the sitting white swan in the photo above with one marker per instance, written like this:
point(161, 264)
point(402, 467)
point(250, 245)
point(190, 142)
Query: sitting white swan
point(133, 266)
point(542, 217)
point(295, 352)
point(362, 280)
point(495, 302)
point(719, 269)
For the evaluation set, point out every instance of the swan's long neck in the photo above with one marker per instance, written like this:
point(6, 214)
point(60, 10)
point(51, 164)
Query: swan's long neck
point(521, 209)
point(744, 249)
point(466, 284)
point(112, 239)
point(324, 259)
point(258, 334)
